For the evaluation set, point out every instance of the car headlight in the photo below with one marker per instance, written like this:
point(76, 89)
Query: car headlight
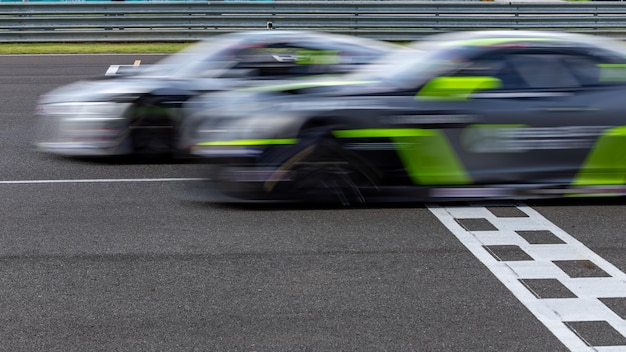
point(103, 109)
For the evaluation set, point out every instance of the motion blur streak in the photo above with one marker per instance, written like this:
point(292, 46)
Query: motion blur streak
point(110, 180)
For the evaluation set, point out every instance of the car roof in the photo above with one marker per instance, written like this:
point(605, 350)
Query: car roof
point(500, 37)
point(305, 35)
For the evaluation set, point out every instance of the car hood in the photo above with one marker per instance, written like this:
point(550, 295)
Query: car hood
point(127, 88)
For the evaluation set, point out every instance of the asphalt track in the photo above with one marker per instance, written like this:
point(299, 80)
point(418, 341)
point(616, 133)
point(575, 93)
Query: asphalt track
point(126, 264)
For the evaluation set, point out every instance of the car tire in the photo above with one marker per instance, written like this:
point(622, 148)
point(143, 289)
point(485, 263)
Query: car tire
point(152, 134)
point(323, 171)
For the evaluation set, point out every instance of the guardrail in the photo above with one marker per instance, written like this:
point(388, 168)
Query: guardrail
point(387, 20)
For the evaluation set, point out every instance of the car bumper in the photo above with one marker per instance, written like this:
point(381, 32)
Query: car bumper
point(83, 131)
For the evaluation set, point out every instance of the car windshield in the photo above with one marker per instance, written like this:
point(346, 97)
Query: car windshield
point(411, 65)
point(208, 58)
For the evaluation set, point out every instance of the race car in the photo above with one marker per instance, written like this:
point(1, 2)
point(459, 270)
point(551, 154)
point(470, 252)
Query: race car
point(135, 109)
point(466, 115)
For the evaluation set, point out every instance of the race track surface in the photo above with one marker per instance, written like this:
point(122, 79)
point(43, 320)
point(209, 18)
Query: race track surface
point(108, 256)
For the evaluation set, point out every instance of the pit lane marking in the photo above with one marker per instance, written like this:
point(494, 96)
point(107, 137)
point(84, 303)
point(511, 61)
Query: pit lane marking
point(104, 180)
point(560, 315)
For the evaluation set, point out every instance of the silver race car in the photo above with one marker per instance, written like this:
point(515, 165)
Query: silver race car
point(136, 110)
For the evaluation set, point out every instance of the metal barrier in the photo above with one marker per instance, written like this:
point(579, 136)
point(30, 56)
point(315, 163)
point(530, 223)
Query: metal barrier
point(134, 21)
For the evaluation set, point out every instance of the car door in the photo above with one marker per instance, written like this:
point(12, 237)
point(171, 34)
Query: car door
point(540, 120)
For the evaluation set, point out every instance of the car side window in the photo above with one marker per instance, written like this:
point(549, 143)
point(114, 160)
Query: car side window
point(284, 59)
point(498, 67)
point(263, 60)
point(544, 71)
point(531, 70)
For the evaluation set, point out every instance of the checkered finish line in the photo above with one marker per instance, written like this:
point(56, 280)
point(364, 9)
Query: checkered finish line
point(577, 295)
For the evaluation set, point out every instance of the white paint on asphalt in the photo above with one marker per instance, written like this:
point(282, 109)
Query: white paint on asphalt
point(104, 180)
point(539, 263)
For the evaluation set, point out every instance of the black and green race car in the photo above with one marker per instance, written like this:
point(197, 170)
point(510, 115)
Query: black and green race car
point(468, 115)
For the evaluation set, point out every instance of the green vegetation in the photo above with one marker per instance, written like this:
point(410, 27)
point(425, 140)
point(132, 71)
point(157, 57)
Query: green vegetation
point(90, 48)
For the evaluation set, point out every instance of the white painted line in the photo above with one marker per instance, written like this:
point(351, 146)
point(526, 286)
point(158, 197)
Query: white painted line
point(103, 180)
point(552, 312)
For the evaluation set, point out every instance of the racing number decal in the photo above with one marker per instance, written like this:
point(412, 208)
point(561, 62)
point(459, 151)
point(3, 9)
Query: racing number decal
point(517, 138)
point(605, 163)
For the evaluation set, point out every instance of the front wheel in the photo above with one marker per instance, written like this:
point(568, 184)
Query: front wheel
point(152, 132)
point(152, 140)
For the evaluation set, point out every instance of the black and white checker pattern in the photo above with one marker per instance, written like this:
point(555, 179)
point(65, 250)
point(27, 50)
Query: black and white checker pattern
point(574, 292)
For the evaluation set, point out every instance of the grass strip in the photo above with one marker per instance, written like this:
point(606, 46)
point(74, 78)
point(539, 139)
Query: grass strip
point(90, 48)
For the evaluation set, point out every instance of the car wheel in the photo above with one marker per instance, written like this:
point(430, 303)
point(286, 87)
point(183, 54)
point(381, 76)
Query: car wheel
point(152, 133)
point(158, 140)
point(322, 171)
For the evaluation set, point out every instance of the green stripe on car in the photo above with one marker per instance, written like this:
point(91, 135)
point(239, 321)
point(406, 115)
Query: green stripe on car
point(606, 162)
point(426, 154)
point(248, 142)
point(456, 88)
point(612, 72)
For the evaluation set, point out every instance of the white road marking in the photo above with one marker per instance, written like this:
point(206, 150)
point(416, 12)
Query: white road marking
point(103, 180)
point(554, 313)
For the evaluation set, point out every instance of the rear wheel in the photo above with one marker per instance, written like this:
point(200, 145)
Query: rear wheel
point(322, 171)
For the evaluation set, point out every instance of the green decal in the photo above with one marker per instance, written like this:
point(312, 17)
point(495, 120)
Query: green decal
point(383, 133)
point(606, 163)
point(456, 88)
point(248, 142)
point(612, 72)
point(317, 57)
point(426, 154)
